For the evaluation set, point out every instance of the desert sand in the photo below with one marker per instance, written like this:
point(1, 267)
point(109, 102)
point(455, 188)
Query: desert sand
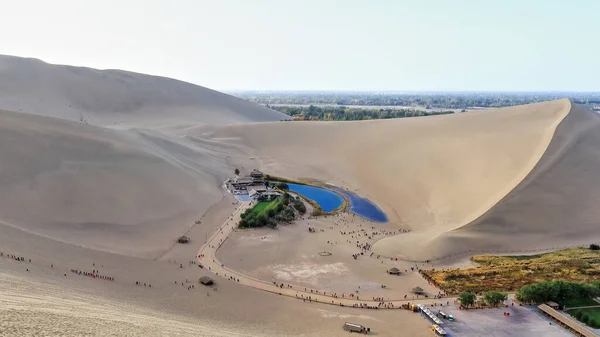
point(117, 98)
point(106, 169)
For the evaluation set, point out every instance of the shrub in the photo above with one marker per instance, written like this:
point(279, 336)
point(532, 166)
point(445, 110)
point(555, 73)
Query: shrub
point(585, 318)
point(261, 220)
point(299, 206)
point(593, 323)
point(595, 246)
point(494, 298)
point(467, 298)
point(577, 314)
point(271, 213)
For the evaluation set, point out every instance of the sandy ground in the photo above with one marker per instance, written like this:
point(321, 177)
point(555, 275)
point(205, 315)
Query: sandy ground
point(290, 254)
point(43, 294)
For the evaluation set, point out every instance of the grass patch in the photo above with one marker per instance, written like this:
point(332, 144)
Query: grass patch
point(592, 314)
point(509, 273)
point(270, 213)
point(581, 302)
point(262, 206)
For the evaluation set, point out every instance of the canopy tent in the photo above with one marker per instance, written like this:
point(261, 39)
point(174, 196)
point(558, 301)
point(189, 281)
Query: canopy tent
point(417, 290)
point(394, 271)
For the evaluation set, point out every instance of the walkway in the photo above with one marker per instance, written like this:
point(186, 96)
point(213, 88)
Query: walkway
point(211, 263)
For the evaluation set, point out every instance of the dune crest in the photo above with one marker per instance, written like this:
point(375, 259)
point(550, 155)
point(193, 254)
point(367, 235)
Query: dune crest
point(118, 98)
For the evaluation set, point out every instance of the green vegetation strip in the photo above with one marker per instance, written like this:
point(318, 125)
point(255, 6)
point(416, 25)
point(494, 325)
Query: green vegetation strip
point(341, 113)
point(509, 273)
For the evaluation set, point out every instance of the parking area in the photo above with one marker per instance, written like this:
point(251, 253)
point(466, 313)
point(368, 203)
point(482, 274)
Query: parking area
point(523, 321)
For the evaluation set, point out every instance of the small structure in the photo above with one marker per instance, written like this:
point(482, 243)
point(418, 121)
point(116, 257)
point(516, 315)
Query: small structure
point(438, 330)
point(325, 253)
point(183, 239)
point(351, 327)
point(394, 271)
point(257, 176)
point(263, 193)
point(575, 327)
point(418, 290)
point(552, 305)
point(207, 281)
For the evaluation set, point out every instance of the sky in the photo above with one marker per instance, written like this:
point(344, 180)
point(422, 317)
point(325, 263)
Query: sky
point(370, 45)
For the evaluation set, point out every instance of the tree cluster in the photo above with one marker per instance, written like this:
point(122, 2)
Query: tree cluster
point(342, 113)
point(282, 210)
point(490, 298)
point(557, 291)
point(299, 206)
point(440, 100)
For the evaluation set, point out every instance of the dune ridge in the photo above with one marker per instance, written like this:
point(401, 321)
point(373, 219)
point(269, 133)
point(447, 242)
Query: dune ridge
point(117, 98)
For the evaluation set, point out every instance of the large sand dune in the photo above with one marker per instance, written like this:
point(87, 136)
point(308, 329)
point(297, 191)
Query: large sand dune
point(123, 191)
point(436, 175)
point(109, 97)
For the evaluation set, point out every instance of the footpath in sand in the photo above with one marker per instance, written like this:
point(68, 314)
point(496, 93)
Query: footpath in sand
point(207, 256)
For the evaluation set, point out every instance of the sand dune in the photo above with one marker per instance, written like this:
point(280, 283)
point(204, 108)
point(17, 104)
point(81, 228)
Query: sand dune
point(433, 174)
point(120, 191)
point(109, 97)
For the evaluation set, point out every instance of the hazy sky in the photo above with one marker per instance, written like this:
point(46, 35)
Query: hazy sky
point(320, 45)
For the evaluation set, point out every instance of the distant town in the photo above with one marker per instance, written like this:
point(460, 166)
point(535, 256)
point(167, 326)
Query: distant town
point(315, 105)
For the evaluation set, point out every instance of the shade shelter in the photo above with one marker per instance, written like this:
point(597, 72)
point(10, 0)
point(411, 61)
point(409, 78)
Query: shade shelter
point(207, 281)
point(394, 271)
point(418, 290)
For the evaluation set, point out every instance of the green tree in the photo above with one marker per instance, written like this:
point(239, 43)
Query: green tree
point(271, 213)
point(467, 298)
point(237, 172)
point(595, 246)
point(261, 220)
point(299, 206)
point(494, 298)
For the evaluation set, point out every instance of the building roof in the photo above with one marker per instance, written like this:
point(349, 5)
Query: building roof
point(243, 180)
point(259, 188)
point(572, 324)
point(394, 270)
point(417, 290)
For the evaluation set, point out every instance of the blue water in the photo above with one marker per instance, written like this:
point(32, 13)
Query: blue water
point(364, 207)
point(326, 199)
